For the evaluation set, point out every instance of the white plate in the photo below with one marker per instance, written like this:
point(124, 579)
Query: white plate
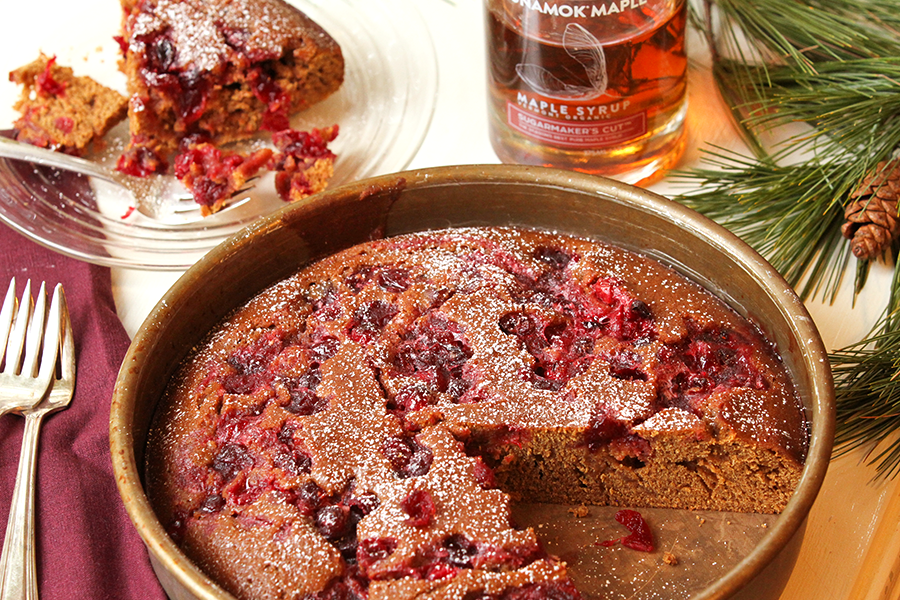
point(384, 109)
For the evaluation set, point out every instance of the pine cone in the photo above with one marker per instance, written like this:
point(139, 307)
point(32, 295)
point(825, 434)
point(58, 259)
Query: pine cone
point(872, 223)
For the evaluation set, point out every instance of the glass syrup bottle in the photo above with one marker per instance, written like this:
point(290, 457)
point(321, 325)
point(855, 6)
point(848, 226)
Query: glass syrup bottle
point(592, 86)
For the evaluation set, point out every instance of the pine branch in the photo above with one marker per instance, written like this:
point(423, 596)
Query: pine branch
point(834, 67)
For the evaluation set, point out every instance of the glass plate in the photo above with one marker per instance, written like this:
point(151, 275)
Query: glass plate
point(384, 109)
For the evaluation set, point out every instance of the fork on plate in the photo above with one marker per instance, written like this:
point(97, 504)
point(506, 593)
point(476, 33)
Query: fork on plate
point(18, 575)
point(158, 197)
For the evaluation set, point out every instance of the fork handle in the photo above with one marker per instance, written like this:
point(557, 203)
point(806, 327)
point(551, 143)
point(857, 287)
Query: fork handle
point(18, 575)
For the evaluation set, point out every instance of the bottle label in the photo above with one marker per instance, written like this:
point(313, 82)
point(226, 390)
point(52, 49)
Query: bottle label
point(580, 135)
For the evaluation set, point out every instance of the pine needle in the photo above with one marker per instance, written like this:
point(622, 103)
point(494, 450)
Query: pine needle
point(831, 67)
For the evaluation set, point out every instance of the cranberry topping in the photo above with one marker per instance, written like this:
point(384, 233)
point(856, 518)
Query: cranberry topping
point(407, 456)
point(371, 551)
point(625, 364)
point(64, 124)
point(332, 521)
point(140, 161)
point(349, 586)
point(48, 86)
point(447, 556)
point(394, 279)
point(419, 505)
point(187, 89)
point(292, 461)
point(561, 349)
point(603, 428)
point(277, 101)
point(484, 475)
point(302, 393)
point(213, 176)
point(706, 359)
point(556, 258)
point(544, 590)
point(305, 144)
point(325, 304)
point(370, 319)
point(230, 460)
point(640, 538)
point(360, 277)
point(435, 351)
point(309, 497)
point(625, 318)
point(251, 362)
point(299, 152)
point(408, 400)
point(390, 279)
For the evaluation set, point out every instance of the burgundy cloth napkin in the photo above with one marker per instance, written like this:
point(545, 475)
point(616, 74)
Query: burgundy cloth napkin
point(86, 545)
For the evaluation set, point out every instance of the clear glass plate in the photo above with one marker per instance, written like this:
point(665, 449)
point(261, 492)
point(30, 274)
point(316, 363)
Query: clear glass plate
point(383, 109)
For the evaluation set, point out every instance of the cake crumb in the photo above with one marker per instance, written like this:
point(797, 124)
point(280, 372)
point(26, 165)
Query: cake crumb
point(765, 525)
point(579, 512)
point(670, 559)
point(701, 519)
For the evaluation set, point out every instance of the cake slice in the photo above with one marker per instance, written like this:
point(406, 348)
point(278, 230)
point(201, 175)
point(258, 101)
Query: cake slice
point(61, 111)
point(221, 69)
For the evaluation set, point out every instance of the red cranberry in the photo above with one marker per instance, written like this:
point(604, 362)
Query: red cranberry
point(324, 347)
point(602, 429)
point(309, 497)
point(627, 319)
point(555, 257)
point(625, 364)
point(407, 456)
point(47, 85)
point(370, 319)
point(408, 399)
point(141, 161)
point(332, 521)
point(301, 392)
point(435, 351)
point(230, 460)
point(292, 461)
point(352, 585)
point(371, 551)
point(394, 279)
point(419, 505)
point(212, 503)
point(277, 101)
point(640, 538)
point(545, 590)
point(360, 276)
point(484, 475)
point(704, 360)
point(250, 363)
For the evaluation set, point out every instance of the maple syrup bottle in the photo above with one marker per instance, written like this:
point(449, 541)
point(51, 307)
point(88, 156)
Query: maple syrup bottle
point(592, 86)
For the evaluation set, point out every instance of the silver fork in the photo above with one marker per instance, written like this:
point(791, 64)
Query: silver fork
point(23, 382)
point(18, 575)
point(158, 197)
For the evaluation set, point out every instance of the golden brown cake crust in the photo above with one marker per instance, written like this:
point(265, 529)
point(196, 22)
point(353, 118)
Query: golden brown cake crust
point(393, 397)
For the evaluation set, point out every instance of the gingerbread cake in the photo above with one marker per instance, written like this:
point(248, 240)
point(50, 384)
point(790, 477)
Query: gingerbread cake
point(220, 69)
point(360, 429)
point(62, 111)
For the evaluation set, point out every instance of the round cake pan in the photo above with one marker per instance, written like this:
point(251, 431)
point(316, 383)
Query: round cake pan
point(493, 195)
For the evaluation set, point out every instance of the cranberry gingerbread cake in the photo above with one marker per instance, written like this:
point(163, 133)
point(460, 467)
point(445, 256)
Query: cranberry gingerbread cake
point(219, 69)
point(359, 429)
point(62, 111)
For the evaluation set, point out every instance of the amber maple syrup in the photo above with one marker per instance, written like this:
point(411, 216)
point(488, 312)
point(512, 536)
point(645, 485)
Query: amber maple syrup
point(592, 86)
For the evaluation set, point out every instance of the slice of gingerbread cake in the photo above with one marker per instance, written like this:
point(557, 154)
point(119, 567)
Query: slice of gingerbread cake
point(62, 111)
point(220, 69)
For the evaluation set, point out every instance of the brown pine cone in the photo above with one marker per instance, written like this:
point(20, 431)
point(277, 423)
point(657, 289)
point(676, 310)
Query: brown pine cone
point(872, 222)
